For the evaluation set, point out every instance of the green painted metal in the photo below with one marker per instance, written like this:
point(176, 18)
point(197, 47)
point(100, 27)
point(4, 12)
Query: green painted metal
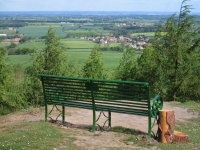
point(108, 119)
point(60, 113)
point(45, 102)
point(93, 107)
point(63, 114)
point(126, 97)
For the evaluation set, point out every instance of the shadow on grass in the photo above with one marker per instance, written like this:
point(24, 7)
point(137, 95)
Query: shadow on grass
point(120, 129)
point(117, 129)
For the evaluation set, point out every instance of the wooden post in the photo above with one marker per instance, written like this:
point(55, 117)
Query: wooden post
point(166, 123)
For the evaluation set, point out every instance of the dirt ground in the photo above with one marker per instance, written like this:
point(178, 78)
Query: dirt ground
point(83, 117)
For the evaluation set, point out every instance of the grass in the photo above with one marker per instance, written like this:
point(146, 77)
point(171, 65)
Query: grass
point(78, 44)
point(8, 32)
point(45, 136)
point(111, 59)
point(24, 60)
point(192, 105)
point(32, 44)
point(144, 33)
point(190, 127)
point(2, 45)
point(39, 31)
point(114, 44)
point(33, 135)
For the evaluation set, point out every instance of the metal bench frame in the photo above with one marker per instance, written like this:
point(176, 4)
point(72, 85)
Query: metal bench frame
point(127, 97)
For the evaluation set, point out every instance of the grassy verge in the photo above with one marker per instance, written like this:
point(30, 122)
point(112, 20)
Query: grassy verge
point(191, 105)
point(190, 127)
point(46, 136)
point(34, 135)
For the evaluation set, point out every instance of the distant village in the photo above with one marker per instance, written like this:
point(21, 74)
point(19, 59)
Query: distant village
point(137, 42)
point(8, 40)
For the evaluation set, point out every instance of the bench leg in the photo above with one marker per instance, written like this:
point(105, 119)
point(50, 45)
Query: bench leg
point(149, 126)
point(63, 114)
point(46, 112)
point(109, 118)
point(94, 121)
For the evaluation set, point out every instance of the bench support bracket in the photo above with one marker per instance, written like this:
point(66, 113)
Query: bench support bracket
point(107, 120)
point(60, 113)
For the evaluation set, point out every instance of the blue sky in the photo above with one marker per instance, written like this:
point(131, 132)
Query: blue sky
point(96, 5)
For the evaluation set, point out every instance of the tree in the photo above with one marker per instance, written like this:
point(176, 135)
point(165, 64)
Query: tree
point(11, 97)
point(12, 45)
point(177, 44)
point(51, 60)
point(148, 69)
point(94, 65)
point(125, 70)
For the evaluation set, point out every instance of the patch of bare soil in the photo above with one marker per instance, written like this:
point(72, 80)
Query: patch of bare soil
point(81, 120)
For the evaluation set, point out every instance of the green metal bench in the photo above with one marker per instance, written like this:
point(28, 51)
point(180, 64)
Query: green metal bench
point(117, 96)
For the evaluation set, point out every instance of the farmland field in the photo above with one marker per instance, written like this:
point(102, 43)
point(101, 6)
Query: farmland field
point(144, 33)
point(77, 43)
point(8, 32)
point(111, 59)
point(39, 31)
point(24, 60)
point(78, 50)
point(32, 44)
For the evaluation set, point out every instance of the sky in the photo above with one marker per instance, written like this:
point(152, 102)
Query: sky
point(96, 5)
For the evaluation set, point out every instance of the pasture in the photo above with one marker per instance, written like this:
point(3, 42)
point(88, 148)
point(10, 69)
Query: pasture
point(23, 60)
point(79, 56)
point(40, 31)
point(78, 50)
point(37, 44)
point(77, 43)
point(8, 32)
point(111, 59)
point(144, 33)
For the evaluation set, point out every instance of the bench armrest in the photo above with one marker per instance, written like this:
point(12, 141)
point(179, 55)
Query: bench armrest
point(156, 105)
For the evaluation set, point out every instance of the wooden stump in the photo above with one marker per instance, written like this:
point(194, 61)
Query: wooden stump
point(180, 137)
point(166, 124)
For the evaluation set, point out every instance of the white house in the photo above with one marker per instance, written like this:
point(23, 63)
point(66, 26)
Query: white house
point(3, 34)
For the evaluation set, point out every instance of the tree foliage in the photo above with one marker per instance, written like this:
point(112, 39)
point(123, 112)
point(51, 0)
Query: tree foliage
point(175, 65)
point(94, 65)
point(51, 60)
point(11, 97)
point(126, 68)
point(148, 68)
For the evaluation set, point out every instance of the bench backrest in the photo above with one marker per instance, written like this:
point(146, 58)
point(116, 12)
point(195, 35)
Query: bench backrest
point(114, 95)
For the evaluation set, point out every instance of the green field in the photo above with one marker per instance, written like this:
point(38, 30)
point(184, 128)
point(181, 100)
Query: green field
point(2, 45)
point(77, 43)
point(8, 32)
point(114, 44)
point(39, 31)
point(144, 33)
point(78, 50)
point(111, 59)
point(24, 60)
point(38, 44)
